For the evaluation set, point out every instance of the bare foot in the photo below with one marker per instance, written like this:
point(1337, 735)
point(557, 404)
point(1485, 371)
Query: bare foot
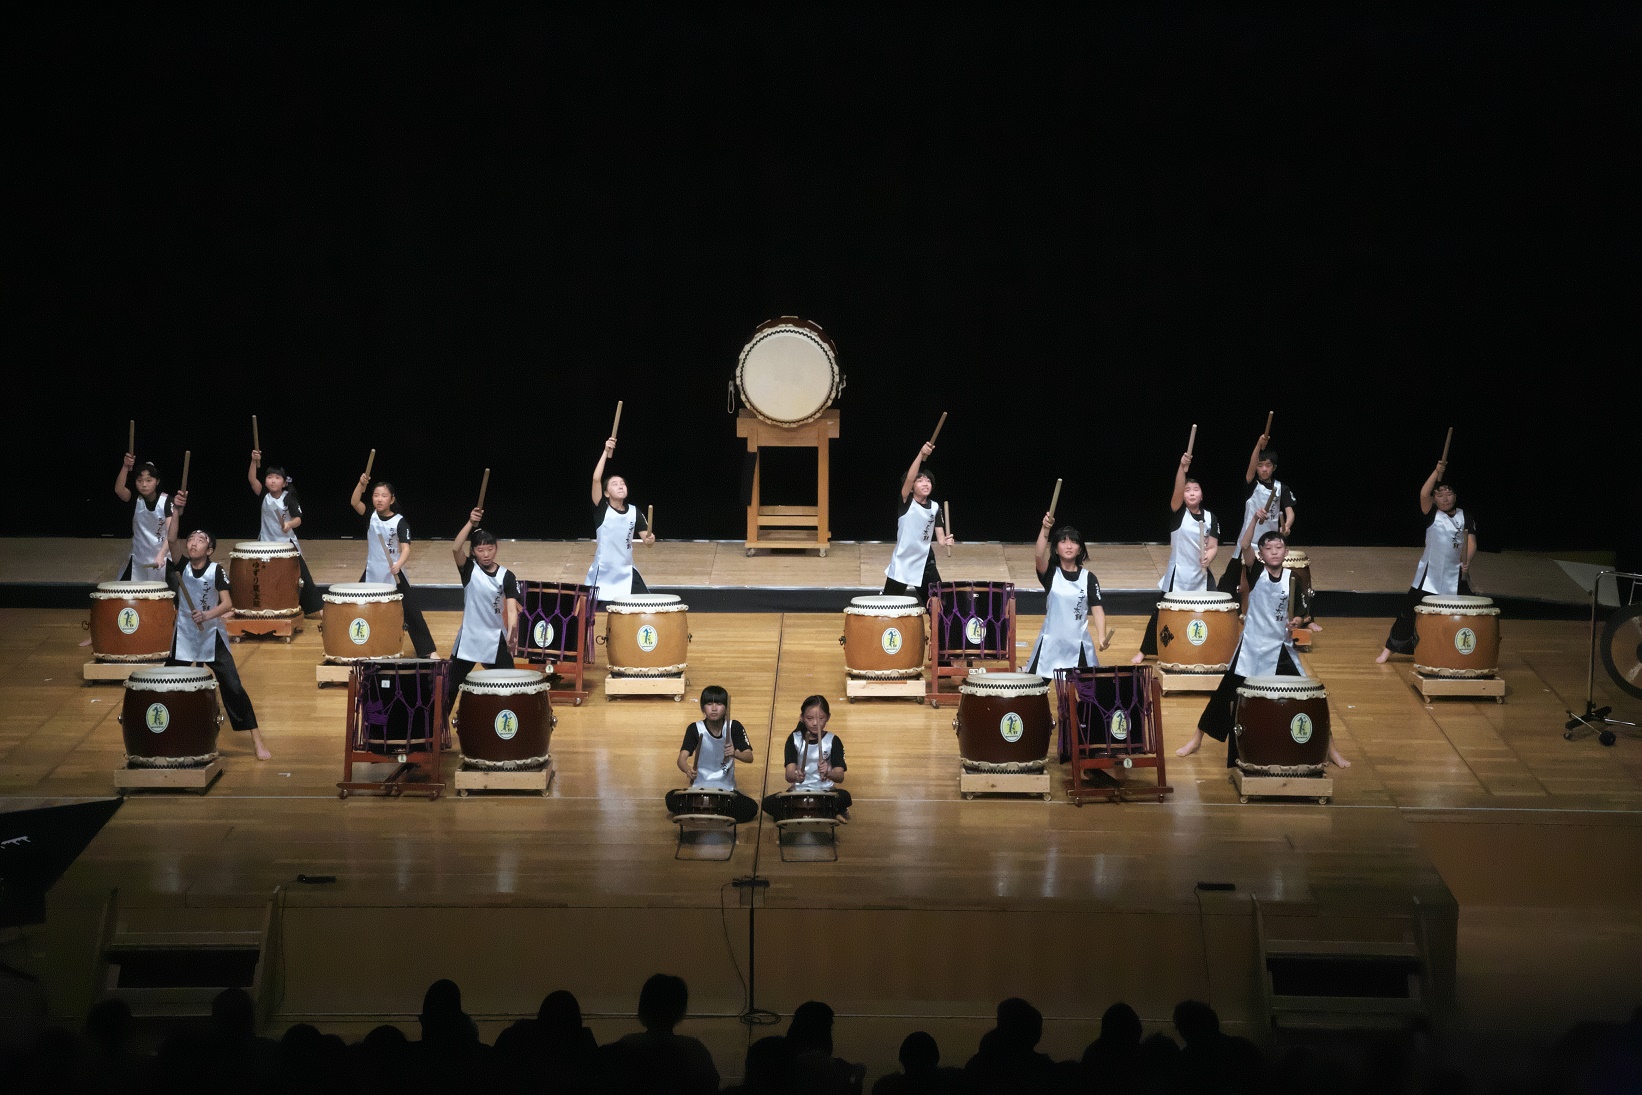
point(1315, 626)
point(1336, 759)
point(1384, 654)
point(1191, 746)
point(262, 750)
point(1138, 659)
point(86, 642)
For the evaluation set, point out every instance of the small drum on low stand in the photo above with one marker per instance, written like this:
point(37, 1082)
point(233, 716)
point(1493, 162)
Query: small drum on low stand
point(648, 639)
point(505, 724)
point(807, 826)
point(884, 647)
point(970, 623)
point(169, 721)
point(556, 633)
point(265, 579)
point(364, 622)
point(1282, 733)
point(1197, 637)
point(1003, 726)
point(1110, 718)
point(1456, 650)
point(706, 824)
point(131, 624)
point(1297, 568)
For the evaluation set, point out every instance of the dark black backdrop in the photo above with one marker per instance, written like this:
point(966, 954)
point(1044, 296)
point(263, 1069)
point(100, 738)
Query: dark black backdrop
point(458, 236)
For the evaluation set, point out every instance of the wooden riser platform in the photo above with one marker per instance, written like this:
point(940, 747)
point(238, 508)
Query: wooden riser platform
point(197, 780)
point(856, 688)
point(670, 687)
point(971, 784)
point(539, 780)
point(1318, 789)
point(1188, 682)
point(283, 627)
point(1458, 687)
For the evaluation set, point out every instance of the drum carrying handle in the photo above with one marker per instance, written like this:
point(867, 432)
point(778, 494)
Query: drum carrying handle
point(729, 402)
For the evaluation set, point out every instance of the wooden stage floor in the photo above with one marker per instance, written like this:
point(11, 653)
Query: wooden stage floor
point(936, 908)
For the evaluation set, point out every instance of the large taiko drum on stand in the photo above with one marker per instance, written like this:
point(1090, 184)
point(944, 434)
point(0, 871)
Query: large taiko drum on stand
point(1197, 632)
point(788, 372)
point(506, 719)
point(647, 635)
point(265, 579)
point(1282, 726)
point(1297, 569)
point(132, 621)
point(884, 638)
point(170, 717)
point(1003, 722)
point(363, 622)
point(1457, 637)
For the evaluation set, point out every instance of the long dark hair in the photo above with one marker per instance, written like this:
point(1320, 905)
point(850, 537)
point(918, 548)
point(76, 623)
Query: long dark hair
point(809, 702)
point(1067, 532)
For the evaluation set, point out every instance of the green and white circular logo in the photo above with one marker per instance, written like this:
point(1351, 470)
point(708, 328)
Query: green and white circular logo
point(890, 640)
point(1300, 728)
point(127, 620)
point(157, 717)
point(542, 633)
point(1011, 726)
point(648, 638)
point(507, 724)
point(359, 632)
point(1197, 632)
point(1118, 727)
point(1465, 640)
point(975, 631)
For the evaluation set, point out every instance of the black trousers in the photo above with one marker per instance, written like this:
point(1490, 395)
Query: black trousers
point(742, 808)
point(235, 700)
point(313, 601)
point(1233, 575)
point(773, 803)
point(1403, 639)
point(1220, 715)
point(421, 638)
point(459, 668)
point(892, 588)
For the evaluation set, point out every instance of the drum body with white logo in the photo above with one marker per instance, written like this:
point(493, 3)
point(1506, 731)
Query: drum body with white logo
point(363, 622)
point(169, 718)
point(1282, 726)
point(788, 372)
point(1457, 637)
point(1297, 569)
point(648, 635)
point(1003, 722)
point(132, 621)
point(884, 638)
point(1197, 632)
point(505, 721)
point(265, 579)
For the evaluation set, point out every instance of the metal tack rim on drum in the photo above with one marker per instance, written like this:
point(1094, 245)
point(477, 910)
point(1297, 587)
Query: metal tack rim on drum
point(1288, 688)
point(1460, 605)
point(787, 373)
point(505, 682)
point(655, 602)
point(883, 606)
point(264, 549)
point(1295, 559)
point(361, 593)
point(1211, 601)
point(171, 678)
point(1005, 684)
point(132, 591)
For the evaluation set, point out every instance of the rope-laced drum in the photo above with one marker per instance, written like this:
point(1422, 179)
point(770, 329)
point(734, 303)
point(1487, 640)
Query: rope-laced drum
point(265, 579)
point(1003, 722)
point(506, 719)
point(975, 620)
point(1197, 632)
point(1456, 637)
point(1110, 708)
point(788, 372)
point(363, 622)
point(884, 638)
point(132, 621)
point(169, 718)
point(647, 635)
point(553, 619)
point(1282, 726)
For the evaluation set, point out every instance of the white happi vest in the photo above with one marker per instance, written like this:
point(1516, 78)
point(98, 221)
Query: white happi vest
point(147, 534)
point(1186, 573)
point(482, 619)
point(274, 514)
point(809, 761)
point(715, 758)
point(913, 533)
point(192, 644)
point(1439, 569)
point(377, 568)
point(1065, 633)
point(1265, 627)
point(1261, 497)
point(611, 572)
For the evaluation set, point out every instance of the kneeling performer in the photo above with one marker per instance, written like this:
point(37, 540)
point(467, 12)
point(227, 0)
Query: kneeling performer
point(709, 754)
point(814, 761)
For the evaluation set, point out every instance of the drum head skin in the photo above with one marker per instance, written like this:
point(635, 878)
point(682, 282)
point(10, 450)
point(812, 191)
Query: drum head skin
point(504, 678)
point(132, 587)
point(1459, 601)
point(363, 589)
point(788, 373)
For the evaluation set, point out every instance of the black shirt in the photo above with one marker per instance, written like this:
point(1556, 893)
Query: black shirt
point(1285, 498)
point(604, 506)
point(1465, 514)
point(834, 758)
point(176, 566)
point(510, 583)
point(1211, 527)
point(1047, 577)
point(738, 738)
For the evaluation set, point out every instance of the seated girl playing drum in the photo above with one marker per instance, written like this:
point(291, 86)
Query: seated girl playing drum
point(814, 763)
point(708, 757)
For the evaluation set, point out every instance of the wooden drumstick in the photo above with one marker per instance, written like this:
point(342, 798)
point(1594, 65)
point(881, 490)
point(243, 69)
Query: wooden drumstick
point(256, 437)
point(616, 425)
point(386, 553)
point(948, 507)
point(1268, 426)
point(1191, 442)
point(188, 599)
point(1055, 500)
point(938, 426)
point(131, 436)
point(1111, 633)
point(1446, 441)
point(187, 455)
point(484, 485)
point(370, 462)
point(650, 520)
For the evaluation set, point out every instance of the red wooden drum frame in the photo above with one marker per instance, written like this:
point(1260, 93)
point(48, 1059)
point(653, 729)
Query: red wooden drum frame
point(1458, 637)
point(505, 721)
point(1003, 722)
point(1282, 726)
point(132, 621)
point(265, 579)
point(647, 635)
point(381, 610)
point(884, 638)
point(169, 717)
point(787, 374)
point(1197, 632)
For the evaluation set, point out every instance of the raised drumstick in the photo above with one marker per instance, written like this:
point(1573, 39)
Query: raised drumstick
point(948, 507)
point(1267, 434)
point(256, 438)
point(650, 520)
point(1191, 442)
point(370, 461)
point(484, 485)
point(1446, 441)
point(187, 455)
point(938, 426)
point(616, 425)
point(1054, 501)
point(131, 436)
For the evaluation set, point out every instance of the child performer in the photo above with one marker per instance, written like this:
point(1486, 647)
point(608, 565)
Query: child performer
point(387, 550)
point(1445, 568)
point(1268, 508)
point(200, 634)
point(489, 634)
point(814, 759)
point(1265, 650)
point(709, 754)
point(1193, 544)
point(911, 568)
point(281, 516)
point(611, 573)
point(152, 523)
point(1074, 596)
